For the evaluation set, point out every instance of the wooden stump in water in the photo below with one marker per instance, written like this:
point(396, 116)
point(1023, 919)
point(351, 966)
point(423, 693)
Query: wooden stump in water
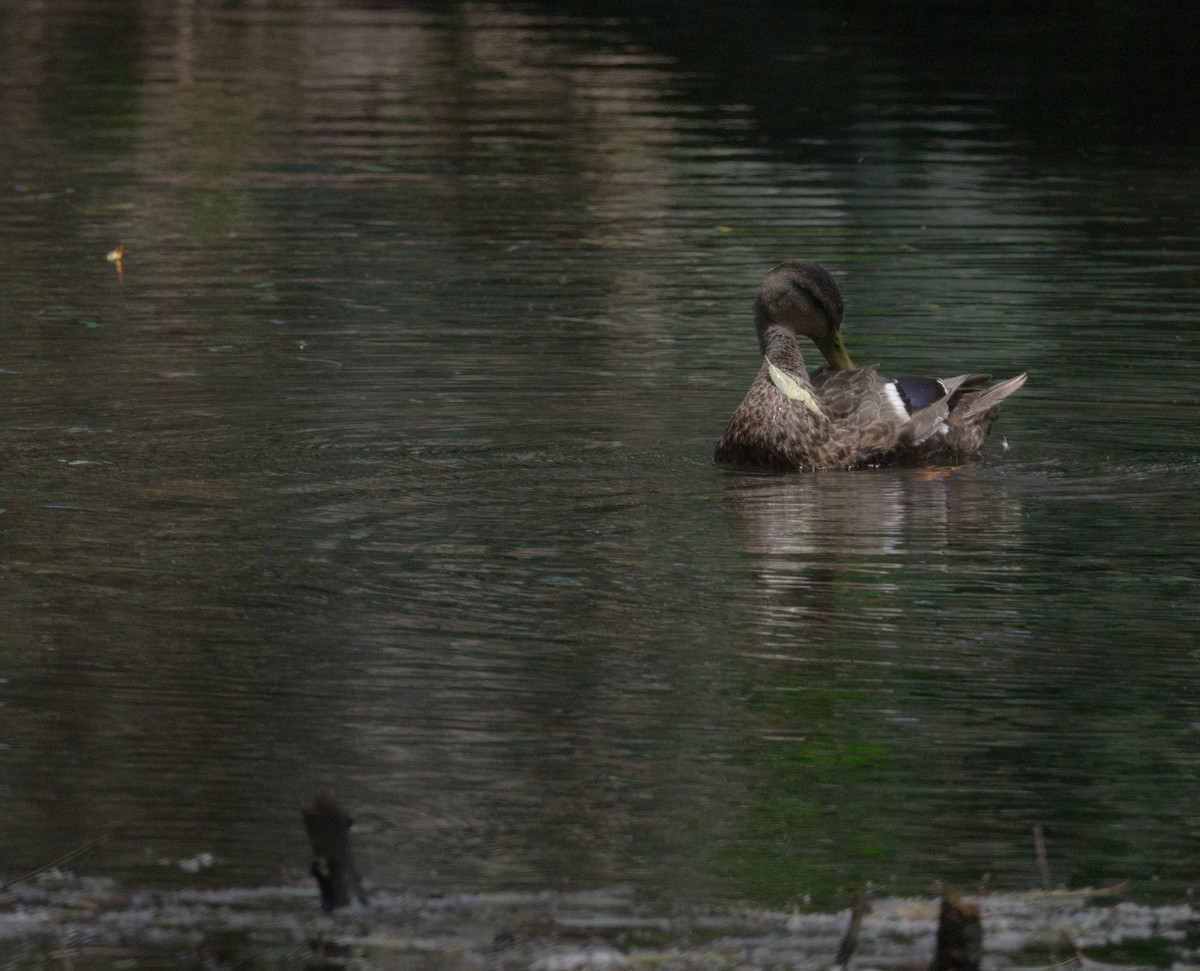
point(959, 935)
point(328, 827)
point(860, 908)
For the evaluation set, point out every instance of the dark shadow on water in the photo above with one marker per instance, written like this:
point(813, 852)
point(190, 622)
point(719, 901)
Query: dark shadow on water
point(1064, 80)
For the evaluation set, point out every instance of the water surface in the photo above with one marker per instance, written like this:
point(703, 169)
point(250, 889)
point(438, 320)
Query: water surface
point(386, 465)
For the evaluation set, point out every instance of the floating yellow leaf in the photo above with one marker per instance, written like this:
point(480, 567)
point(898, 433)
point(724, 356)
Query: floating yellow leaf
point(115, 257)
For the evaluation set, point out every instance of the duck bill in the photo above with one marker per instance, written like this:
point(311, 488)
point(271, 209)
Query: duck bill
point(834, 350)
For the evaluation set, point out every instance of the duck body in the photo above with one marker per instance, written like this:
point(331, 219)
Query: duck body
point(845, 417)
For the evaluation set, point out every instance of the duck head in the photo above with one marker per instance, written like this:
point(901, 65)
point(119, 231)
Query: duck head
point(800, 298)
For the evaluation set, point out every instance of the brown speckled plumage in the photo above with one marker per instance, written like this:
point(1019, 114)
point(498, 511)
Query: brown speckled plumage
point(845, 417)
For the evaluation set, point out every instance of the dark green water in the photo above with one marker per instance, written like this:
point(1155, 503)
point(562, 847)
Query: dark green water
point(386, 466)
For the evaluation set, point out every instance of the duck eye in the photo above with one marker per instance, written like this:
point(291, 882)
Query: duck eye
point(814, 298)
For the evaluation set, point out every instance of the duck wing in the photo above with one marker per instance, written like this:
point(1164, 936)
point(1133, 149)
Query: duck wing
point(893, 419)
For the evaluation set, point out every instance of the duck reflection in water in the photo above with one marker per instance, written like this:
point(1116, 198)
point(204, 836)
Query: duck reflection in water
point(861, 548)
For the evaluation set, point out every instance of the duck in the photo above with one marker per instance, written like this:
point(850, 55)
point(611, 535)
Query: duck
point(842, 416)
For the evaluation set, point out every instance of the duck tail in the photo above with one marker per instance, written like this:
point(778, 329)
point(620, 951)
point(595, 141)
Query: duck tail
point(980, 401)
point(956, 387)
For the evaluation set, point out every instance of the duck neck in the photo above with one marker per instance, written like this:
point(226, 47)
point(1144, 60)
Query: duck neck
point(779, 344)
